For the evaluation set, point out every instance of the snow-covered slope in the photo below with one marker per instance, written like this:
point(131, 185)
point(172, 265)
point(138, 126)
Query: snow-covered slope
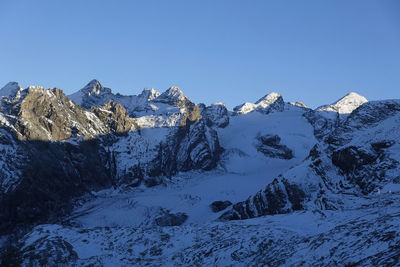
point(362, 236)
point(156, 179)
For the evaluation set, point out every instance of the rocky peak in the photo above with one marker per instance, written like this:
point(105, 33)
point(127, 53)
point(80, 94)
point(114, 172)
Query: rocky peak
point(215, 115)
point(299, 104)
point(10, 89)
point(266, 104)
point(149, 94)
point(269, 99)
point(346, 104)
point(94, 87)
point(33, 88)
point(49, 115)
point(93, 94)
point(245, 108)
point(175, 92)
point(325, 119)
point(173, 96)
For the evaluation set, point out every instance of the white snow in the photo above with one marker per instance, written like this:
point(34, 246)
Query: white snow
point(262, 103)
point(346, 104)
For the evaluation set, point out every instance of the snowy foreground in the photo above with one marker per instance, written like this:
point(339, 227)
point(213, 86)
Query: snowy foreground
point(102, 179)
point(115, 228)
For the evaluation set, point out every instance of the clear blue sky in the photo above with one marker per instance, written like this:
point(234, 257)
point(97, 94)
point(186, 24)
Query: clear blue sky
point(230, 51)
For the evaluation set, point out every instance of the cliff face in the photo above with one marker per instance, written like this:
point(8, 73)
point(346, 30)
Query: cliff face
point(51, 176)
point(115, 117)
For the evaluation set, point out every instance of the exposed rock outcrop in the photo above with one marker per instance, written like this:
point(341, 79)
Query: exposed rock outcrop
point(51, 176)
point(218, 206)
point(366, 168)
point(115, 117)
point(193, 146)
point(270, 146)
point(215, 115)
point(171, 219)
point(279, 197)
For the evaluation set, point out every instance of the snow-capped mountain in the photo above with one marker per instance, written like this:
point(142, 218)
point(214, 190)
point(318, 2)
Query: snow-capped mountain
point(98, 178)
point(266, 104)
point(94, 94)
point(10, 89)
point(346, 104)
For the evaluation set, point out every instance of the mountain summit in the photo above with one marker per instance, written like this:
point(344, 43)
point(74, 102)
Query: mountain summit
point(95, 87)
point(346, 104)
point(10, 89)
point(93, 94)
point(173, 95)
point(266, 104)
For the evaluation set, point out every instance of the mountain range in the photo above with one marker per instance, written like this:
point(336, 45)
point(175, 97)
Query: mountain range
point(102, 179)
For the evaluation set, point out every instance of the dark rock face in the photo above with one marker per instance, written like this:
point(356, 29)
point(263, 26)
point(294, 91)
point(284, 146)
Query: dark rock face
point(365, 168)
point(217, 206)
point(323, 125)
point(279, 197)
point(12, 160)
point(152, 181)
point(314, 152)
point(47, 252)
point(380, 146)
point(193, 146)
point(53, 174)
point(199, 148)
point(366, 116)
point(215, 115)
point(352, 158)
point(371, 113)
point(270, 146)
point(171, 219)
